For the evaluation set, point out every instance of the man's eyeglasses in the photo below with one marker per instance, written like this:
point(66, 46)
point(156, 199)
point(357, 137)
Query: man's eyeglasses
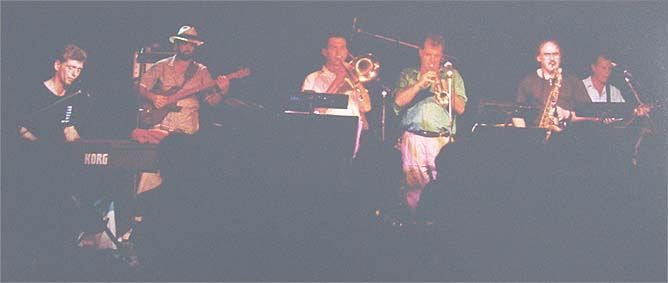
point(553, 54)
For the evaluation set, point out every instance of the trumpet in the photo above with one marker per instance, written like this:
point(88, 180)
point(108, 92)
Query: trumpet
point(440, 90)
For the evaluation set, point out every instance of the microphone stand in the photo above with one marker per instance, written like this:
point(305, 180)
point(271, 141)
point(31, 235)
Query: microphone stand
point(450, 74)
point(379, 36)
point(59, 101)
point(383, 93)
point(359, 30)
point(641, 136)
point(627, 78)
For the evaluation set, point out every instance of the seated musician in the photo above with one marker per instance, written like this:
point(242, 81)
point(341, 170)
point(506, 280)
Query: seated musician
point(172, 84)
point(334, 77)
point(55, 109)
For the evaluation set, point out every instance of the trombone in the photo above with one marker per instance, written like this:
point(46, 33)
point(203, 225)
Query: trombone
point(361, 69)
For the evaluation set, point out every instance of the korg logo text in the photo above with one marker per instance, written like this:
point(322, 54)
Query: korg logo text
point(96, 158)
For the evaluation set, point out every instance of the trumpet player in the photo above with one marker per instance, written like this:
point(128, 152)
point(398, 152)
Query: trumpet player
point(422, 100)
point(335, 77)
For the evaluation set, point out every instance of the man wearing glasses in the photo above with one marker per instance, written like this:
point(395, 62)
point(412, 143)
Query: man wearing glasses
point(535, 87)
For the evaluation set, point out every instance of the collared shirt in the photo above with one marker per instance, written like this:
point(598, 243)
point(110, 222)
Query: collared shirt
point(319, 81)
point(615, 94)
point(163, 71)
point(426, 114)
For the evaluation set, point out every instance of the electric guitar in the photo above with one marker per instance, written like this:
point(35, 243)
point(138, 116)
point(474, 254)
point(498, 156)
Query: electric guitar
point(624, 120)
point(151, 115)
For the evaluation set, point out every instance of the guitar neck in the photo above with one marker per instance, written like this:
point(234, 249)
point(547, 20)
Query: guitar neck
point(183, 93)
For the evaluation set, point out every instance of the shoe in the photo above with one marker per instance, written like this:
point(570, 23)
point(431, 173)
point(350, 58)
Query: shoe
point(87, 240)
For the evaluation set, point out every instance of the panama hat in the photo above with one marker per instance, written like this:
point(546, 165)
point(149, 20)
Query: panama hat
point(187, 34)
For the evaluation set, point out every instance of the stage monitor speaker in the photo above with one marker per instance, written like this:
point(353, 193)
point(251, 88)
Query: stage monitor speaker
point(145, 58)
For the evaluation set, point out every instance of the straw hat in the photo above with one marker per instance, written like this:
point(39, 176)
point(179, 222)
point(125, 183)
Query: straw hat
point(187, 34)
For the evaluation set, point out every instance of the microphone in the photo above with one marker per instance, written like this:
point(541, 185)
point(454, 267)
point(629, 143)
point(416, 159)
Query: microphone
point(449, 70)
point(625, 71)
point(627, 74)
point(79, 87)
point(353, 31)
point(354, 25)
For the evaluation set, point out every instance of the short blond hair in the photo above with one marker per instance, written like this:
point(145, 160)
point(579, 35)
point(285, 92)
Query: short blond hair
point(72, 52)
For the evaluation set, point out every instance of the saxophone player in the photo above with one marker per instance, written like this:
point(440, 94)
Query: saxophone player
point(425, 121)
point(535, 88)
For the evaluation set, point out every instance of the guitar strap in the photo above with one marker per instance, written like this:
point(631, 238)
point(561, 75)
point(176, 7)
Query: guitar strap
point(190, 73)
point(607, 93)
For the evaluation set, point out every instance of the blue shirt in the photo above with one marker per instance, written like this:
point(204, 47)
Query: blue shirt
point(426, 114)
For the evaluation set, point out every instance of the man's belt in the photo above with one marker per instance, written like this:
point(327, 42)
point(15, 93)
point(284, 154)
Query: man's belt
point(429, 134)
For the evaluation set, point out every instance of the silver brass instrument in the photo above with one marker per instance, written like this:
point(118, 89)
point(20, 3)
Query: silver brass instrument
point(441, 93)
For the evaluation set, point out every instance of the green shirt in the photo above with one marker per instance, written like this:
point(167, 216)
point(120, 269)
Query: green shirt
point(426, 114)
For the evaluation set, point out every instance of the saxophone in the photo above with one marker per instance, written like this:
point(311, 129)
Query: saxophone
point(549, 119)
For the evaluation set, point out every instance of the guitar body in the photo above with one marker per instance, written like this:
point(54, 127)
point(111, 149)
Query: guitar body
point(150, 115)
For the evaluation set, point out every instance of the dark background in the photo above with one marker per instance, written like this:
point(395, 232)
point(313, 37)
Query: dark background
point(493, 44)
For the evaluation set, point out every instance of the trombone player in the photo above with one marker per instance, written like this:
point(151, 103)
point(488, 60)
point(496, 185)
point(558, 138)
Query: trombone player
point(426, 121)
point(337, 76)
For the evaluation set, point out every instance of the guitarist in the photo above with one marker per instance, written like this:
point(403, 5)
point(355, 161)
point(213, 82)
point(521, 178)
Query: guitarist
point(174, 82)
point(599, 90)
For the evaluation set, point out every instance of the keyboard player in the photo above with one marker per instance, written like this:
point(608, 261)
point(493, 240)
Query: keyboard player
point(55, 109)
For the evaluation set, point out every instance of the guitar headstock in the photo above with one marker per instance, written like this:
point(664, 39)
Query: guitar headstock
point(241, 73)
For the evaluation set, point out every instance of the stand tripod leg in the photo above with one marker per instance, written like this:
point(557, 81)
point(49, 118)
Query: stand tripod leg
point(126, 253)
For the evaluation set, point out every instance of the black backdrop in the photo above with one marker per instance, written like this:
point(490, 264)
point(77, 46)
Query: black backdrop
point(493, 43)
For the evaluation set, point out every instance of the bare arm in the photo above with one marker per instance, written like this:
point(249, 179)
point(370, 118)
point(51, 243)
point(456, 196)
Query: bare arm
point(223, 83)
point(519, 122)
point(406, 95)
point(158, 100)
point(363, 99)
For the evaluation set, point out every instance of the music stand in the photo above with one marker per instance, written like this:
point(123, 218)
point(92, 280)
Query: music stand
point(306, 102)
point(604, 110)
point(500, 113)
